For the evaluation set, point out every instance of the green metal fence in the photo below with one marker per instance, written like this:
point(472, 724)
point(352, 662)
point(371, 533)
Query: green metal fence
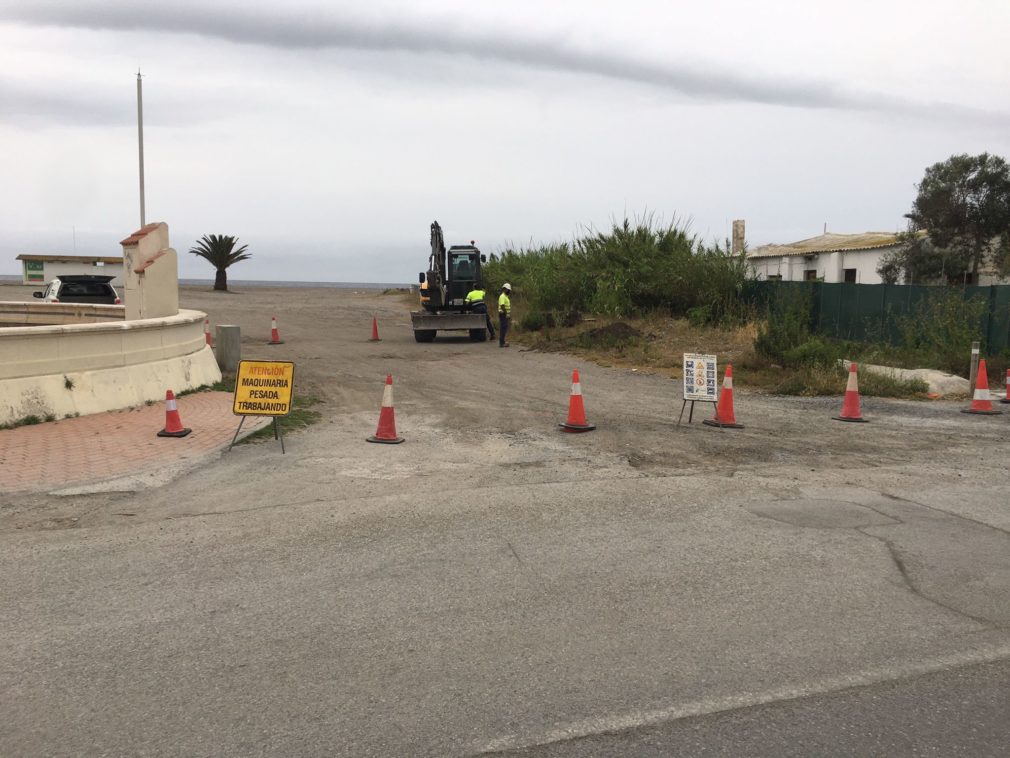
point(873, 312)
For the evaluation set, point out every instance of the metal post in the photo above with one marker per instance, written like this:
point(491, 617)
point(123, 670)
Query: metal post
point(974, 367)
point(140, 142)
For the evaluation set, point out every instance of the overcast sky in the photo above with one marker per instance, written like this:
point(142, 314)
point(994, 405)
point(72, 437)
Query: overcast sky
point(328, 136)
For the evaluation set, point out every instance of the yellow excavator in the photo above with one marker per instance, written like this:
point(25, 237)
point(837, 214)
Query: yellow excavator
point(443, 288)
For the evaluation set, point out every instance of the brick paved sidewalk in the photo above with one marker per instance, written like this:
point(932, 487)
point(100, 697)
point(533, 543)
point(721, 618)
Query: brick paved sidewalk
point(59, 454)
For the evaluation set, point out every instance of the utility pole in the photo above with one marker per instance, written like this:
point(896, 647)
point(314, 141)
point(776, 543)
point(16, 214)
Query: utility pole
point(140, 141)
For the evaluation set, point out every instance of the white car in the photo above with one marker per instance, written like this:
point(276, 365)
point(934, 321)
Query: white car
point(81, 288)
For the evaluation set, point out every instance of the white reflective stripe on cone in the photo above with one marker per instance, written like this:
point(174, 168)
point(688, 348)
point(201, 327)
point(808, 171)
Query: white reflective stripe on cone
point(852, 385)
point(387, 396)
point(170, 405)
point(727, 383)
point(577, 388)
point(981, 394)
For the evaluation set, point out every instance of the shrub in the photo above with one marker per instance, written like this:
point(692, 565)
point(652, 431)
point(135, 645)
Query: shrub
point(533, 321)
point(786, 328)
point(814, 352)
point(699, 315)
point(939, 332)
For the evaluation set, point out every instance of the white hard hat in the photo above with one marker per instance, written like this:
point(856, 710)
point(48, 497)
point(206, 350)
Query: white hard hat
point(507, 286)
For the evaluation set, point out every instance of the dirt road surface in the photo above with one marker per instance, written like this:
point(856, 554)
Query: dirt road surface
point(494, 584)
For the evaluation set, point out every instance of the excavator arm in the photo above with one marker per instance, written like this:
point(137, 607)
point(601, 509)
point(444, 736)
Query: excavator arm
point(435, 279)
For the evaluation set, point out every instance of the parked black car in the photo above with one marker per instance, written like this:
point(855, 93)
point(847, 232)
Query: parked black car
point(81, 288)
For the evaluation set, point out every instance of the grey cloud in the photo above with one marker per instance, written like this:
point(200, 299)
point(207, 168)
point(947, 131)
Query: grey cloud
point(34, 105)
point(333, 30)
point(29, 107)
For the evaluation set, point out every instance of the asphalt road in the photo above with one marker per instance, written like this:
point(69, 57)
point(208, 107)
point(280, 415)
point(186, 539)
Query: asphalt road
point(496, 585)
point(951, 713)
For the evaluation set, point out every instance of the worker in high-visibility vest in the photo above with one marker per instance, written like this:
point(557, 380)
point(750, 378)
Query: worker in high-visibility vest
point(504, 313)
point(475, 302)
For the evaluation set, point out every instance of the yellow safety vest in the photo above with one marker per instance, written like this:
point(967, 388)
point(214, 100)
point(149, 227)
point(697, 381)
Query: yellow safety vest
point(475, 296)
point(504, 304)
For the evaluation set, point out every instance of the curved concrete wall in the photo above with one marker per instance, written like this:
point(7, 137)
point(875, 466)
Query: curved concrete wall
point(52, 314)
point(93, 367)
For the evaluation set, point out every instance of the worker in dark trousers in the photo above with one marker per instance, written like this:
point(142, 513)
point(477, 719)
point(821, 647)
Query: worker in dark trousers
point(504, 313)
point(475, 302)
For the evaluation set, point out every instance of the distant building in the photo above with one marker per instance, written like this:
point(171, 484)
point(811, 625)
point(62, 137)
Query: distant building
point(38, 269)
point(850, 258)
point(828, 258)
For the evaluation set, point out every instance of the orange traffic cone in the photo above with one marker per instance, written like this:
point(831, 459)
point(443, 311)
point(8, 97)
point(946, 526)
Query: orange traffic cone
point(980, 402)
point(173, 424)
point(850, 406)
point(1007, 398)
point(275, 336)
point(724, 417)
point(375, 331)
point(576, 410)
point(386, 431)
point(206, 332)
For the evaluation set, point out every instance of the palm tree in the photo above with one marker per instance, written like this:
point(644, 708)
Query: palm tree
point(219, 250)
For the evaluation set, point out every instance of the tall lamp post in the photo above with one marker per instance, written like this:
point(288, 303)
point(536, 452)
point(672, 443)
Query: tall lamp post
point(140, 142)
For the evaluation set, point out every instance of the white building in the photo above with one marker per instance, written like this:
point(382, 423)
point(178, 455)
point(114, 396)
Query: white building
point(842, 258)
point(828, 257)
point(39, 269)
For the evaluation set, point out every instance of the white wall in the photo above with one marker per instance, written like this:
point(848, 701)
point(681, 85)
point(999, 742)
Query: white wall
point(829, 266)
point(94, 367)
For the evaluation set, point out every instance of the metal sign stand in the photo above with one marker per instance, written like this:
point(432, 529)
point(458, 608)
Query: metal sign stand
point(690, 415)
point(241, 421)
point(278, 434)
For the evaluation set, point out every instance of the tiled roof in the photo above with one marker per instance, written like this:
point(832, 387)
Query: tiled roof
point(828, 243)
point(138, 235)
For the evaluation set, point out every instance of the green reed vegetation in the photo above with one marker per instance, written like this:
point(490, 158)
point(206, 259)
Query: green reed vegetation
point(634, 268)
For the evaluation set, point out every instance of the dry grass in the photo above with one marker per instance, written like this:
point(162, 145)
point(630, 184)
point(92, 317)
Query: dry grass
point(656, 344)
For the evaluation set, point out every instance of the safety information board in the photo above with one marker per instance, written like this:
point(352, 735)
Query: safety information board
point(263, 388)
point(700, 378)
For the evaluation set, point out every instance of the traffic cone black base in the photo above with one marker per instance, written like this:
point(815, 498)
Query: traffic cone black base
point(577, 427)
point(180, 433)
point(852, 420)
point(983, 413)
point(713, 422)
point(395, 441)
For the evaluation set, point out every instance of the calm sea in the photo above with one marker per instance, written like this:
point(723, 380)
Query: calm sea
point(14, 279)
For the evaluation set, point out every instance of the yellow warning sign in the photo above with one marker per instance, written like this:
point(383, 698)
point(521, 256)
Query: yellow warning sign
point(264, 388)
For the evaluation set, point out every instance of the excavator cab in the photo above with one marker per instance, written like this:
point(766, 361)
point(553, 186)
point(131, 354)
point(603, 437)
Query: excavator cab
point(464, 272)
